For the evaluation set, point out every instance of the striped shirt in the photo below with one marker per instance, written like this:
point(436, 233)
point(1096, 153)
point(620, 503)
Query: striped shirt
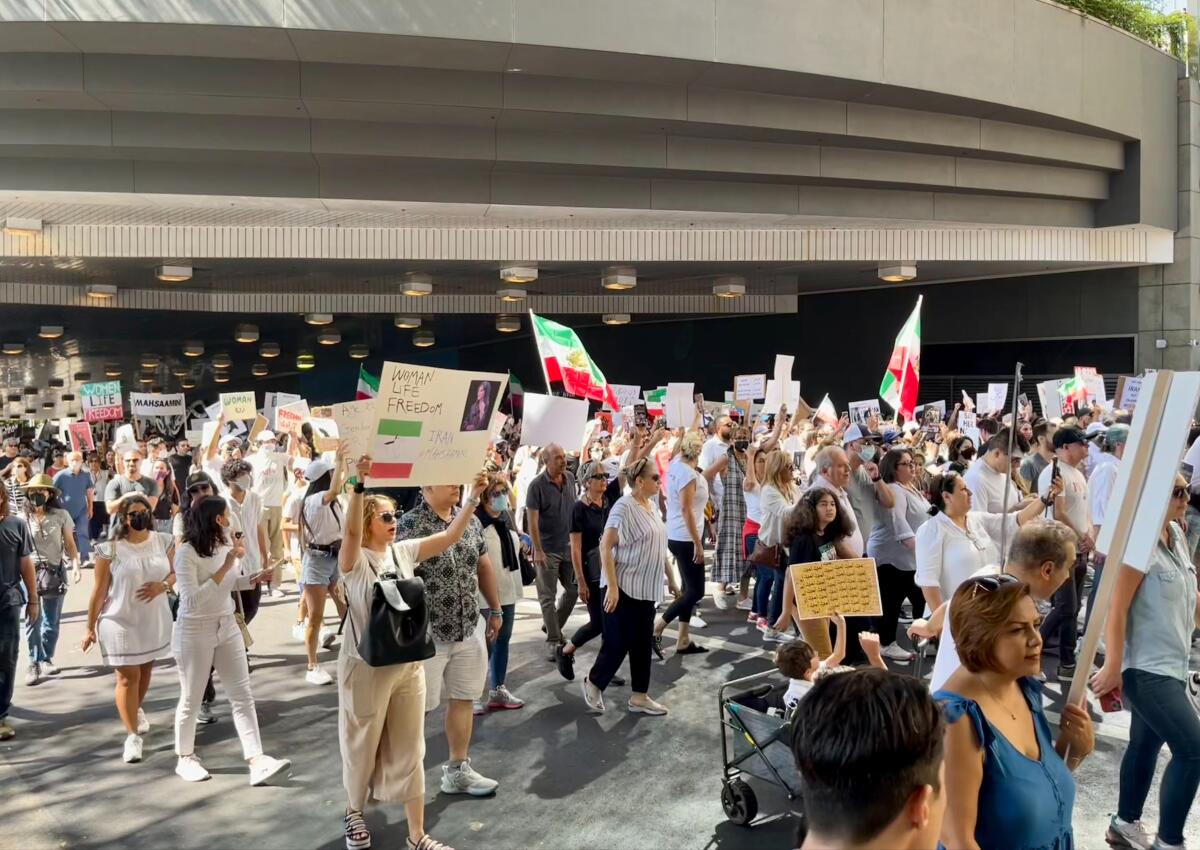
point(640, 550)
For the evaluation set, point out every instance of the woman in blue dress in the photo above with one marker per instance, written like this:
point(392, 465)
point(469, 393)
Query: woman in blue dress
point(1009, 783)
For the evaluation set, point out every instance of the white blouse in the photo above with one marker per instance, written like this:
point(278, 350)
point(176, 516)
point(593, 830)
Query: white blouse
point(201, 597)
point(947, 555)
point(775, 508)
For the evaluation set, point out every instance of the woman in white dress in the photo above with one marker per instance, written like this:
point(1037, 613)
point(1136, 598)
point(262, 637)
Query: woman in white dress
point(129, 615)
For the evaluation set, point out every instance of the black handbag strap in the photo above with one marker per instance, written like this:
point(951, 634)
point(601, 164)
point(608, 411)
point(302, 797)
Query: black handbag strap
point(346, 614)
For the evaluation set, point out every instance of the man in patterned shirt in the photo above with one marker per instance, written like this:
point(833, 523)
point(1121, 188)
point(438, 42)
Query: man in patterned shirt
point(459, 665)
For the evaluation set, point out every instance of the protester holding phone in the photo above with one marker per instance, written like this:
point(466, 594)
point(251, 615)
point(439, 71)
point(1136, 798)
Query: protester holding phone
point(1151, 616)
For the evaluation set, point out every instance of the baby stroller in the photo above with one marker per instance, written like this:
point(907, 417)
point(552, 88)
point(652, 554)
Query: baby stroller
point(753, 744)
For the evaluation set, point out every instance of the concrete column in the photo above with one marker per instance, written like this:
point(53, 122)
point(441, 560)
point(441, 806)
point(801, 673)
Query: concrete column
point(1169, 296)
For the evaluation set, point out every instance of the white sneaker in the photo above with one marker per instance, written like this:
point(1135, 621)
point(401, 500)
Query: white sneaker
point(479, 708)
point(744, 604)
point(502, 698)
point(328, 636)
point(143, 725)
point(298, 632)
point(264, 768)
point(189, 769)
point(722, 600)
point(1123, 834)
point(773, 635)
point(317, 676)
point(697, 622)
point(895, 652)
point(133, 749)
point(464, 779)
point(1159, 844)
point(32, 675)
point(277, 593)
point(48, 669)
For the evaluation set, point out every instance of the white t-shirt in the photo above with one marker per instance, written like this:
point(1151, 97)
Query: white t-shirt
point(714, 449)
point(270, 476)
point(947, 556)
point(679, 475)
point(1100, 484)
point(323, 527)
point(987, 486)
point(249, 515)
point(947, 660)
point(754, 504)
point(359, 585)
point(1075, 491)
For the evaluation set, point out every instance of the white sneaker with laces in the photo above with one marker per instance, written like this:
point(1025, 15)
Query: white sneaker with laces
point(48, 669)
point(503, 698)
point(133, 749)
point(895, 652)
point(143, 725)
point(722, 600)
point(264, 768)
point(479, 708)
point(317, 676)
point(465, 779)
point(328, 636)
point(1124, 834)
point(744, 604)
point(298, 632)
point(189, 769)
point(32, 675)
point(697, 622)
point(773, 635)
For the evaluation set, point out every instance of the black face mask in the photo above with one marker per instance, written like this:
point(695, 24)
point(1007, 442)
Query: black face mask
point(38, 500)
point(140, 521)
point(967, 453)
point(741, 445)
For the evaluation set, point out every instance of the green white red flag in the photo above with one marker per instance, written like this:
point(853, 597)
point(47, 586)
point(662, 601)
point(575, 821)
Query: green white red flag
point(566, 361)
point(899, 387)
point(368, 385)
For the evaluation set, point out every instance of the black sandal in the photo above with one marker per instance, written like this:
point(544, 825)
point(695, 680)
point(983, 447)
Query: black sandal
point(691, 649)
point(657, 647)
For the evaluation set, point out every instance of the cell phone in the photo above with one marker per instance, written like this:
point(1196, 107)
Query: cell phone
point(1054, 470)
point(641, 417)
point(1111, 701)
point(798, 460)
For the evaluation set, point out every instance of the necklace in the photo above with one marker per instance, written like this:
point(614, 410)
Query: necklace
point(1000, 702)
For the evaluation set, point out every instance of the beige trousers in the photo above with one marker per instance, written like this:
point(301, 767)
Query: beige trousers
point(381, 731)
point(816, 634)
point(273, 517)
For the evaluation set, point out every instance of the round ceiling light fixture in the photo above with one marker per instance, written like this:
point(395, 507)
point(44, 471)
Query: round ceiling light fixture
point(50, 331)
point(222, 361)
point(145, 380)
point(318, 319)
point(521, 273)
point(329, 338)
point(359, 352)
point(259, 370)
point(112, 370)
point(188, 384)
point(729, 286)
point(619, 278)
point(508, 324)
point(417, 285)
point(305, 360)
point(221, 377)
point(179, 370)
point(149, 361)
point(897, 272)
point(193, 348)
point(616, 318)
point(511, 295)
point(423, 339)
point(268, 350)
point(407, 322)
point(14, 348)
point(246, 333)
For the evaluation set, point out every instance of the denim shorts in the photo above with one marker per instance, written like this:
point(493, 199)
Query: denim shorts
point(318, 569)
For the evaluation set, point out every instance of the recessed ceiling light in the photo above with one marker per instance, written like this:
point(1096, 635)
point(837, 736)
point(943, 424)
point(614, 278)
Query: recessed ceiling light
point(193, 348)
point(407, 322)
point(50, 331)
point(148, 361)
point(329, 338)
point(318, 319)
point(83, 376)
point(221, 377)
point(417, 285)
point(246, 333)
point(14, 397)
point(14, 348)
point(68, 396)
point(30, 411)
point(360, 352)
point(423, 338)
point(188, 384)
point(897, 272)
point(103, 291)
point(222, 361)
point(268, 349)
point(615, 318)
point(47, 405)
point(619, 278)
point(179, 370)
point(305, 360)
point(14, 226)
point(508, 324)
point(30, 390)
point(56, 383)
point(524, 273)
point(112, 370)
point(174, 273)
point(730, 286)
point(511, 295)
point(259, 370)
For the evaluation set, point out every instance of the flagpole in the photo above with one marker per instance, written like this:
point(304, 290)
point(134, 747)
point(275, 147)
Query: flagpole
point(1012, 439)
point(541, 359)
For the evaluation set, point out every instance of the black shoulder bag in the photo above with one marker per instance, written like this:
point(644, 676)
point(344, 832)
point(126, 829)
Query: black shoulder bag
point(397, 628)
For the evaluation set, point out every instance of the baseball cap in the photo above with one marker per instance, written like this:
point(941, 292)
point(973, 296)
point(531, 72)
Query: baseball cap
point(265, 436)
point(316, 469)
point(225, 441)
point(1067, 436)
point(198, 478)
point(853, 433)
point(1095, 429)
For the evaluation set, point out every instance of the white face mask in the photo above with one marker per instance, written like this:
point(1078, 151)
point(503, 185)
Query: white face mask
point(867, 454)
point(243, 483)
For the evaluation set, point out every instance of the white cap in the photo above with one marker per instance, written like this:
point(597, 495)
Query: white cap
point(316, 469)
point(909, 427)
point(852, 433)
point(1095, 428)
point(266, 435)
point(231, 439)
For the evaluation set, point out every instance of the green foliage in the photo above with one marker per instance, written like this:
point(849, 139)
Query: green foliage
point(1144, 18)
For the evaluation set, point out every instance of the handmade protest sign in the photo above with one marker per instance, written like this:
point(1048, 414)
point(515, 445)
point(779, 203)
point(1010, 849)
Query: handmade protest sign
point(848, 587)
point(679, 406)
point(156, 404)
point(861, 411)
point(290, 417)
point(749, 387)
point(626, 394)
point(774, 398)
point(355, 421)
point(997, 395)
point(553, 419)
point(432, 425)
point(101, 401)
point(1128, 390)
point(238, 405)
point(81, 437)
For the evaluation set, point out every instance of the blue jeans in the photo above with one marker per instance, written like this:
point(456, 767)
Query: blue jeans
point(83, 537)
point(1162, 713)
point(42, 634)
point(768, 593)
point(10, 642)
point(498, 649)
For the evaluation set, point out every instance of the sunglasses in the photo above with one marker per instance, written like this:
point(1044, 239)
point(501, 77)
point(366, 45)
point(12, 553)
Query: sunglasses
point(387, 517)
point(198, 489)
point(1179, 493)
point(990, 584)
point(599, 477)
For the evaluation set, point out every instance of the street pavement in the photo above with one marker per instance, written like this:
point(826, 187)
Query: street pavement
point(567, 779)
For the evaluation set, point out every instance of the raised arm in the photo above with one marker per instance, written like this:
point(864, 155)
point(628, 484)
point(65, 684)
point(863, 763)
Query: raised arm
point(339, 475)
point(436, 544)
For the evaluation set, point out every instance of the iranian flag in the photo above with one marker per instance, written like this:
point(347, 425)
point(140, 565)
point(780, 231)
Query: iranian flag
point(368, 385)
point(899, 387)
point(566, 361)
point(654, 401)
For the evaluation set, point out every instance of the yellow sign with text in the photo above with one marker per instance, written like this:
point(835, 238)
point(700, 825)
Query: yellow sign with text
point(848, 587)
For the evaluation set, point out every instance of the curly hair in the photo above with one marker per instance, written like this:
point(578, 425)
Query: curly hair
point(231, 470)
point(802, 519)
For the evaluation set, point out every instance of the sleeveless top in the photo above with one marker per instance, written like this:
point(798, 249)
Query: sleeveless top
point(1023, 804)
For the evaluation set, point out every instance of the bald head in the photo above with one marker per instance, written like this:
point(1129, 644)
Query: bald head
point(555, 459)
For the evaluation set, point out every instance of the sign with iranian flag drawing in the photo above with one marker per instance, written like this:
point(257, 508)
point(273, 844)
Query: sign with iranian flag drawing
point(101, 401)
point(432, 426)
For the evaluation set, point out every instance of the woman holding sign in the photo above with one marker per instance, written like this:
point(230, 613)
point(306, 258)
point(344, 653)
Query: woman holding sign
point(321, 531)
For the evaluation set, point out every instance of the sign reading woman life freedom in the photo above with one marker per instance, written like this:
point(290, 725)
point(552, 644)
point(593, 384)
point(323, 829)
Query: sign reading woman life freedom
point(430, 424)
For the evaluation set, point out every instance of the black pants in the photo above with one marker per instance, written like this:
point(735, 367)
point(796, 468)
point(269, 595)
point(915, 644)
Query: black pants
point(249, 599)
point(692, 575)
point(627, 631)
point(1063, 620)
point(896, 585)
point(10, 644)
point(595, 609)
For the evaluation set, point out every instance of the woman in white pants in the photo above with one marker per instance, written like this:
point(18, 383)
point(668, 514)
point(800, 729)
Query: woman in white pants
point(207, 636)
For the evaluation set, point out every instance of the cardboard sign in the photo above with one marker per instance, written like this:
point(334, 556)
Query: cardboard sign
point(773, 398)
point(1128, 390)
point(81, 437)
point(862, 411)
point(290, 417)
point(432, 425)
point(846, 587)
point(981, 402)
point(626, 394)
point(355, 423)
point(156, 404)
point(679, 406)
point(997, 396)
point(238, 405)
point(552, 419)
point(260, 425)
point(101, 402)
point(967, 404)
point(273, 401)
point(749, 387)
